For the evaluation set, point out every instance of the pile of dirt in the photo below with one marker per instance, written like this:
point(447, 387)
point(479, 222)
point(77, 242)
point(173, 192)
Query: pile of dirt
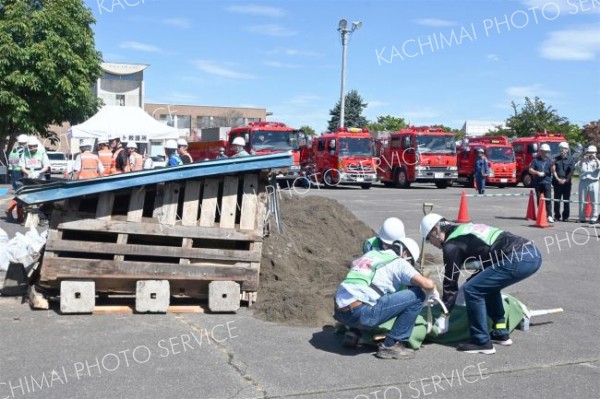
point(301, 268)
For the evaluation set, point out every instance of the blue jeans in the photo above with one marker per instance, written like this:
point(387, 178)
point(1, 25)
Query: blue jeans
point(480, 183)
point(405, 305)
point(16, 175)
point(482, 292)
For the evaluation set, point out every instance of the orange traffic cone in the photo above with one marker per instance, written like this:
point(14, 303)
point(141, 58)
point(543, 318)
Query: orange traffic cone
point(463, 212)
point(542, 216)
point(588, 207)
point(530, 215)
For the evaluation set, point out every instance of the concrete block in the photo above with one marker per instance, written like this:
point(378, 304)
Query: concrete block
point(152, 296)
point(223, 296)
point(77, 296)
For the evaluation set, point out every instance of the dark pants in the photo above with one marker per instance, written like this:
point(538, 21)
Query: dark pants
point(545, 189)
point(16, 175)
point(562, 192)
point(480, 183)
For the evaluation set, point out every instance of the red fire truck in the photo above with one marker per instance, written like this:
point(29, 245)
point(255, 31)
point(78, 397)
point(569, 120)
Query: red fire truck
point(526, 148)
point(261, 138)
point(343, 157)
point(418, 154)
point(500, 155)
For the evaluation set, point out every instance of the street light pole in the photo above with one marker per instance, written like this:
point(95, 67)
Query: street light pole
point(345, 33)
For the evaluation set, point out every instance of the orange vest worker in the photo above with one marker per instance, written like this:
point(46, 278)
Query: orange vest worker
point(113, 163)
point(138, 164)
point(105, 157)
point(89, 166)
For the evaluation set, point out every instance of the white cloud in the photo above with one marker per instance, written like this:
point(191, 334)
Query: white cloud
point(253, 9)
point(213, 68)
point(140, 47)
point(435, 22)
point(376, 104)
point(531, 91)
point(278, 64)
point(492, 57)
point(271, 30)
point(304, 99)
point(578, 44)
point(183, 23)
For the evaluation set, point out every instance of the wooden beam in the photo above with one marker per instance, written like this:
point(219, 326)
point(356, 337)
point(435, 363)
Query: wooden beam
point(249, 200)
point(229, 202)
point(191, 202)
point(209, 202)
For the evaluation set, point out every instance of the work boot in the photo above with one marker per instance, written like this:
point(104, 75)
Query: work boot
point(396, 351)
point(486, 349)
point(500, 339)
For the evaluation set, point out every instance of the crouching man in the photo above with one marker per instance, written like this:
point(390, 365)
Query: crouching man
point(382, 285)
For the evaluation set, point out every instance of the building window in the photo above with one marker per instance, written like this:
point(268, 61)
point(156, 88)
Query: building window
point(203, 122)
point(121, 99)
point(252, 120)
point(184, 121)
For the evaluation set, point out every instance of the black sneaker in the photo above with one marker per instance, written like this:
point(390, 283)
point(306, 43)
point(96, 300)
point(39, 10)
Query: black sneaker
point(396, 351)
point(503, 340)
point(350, 340)
point(486, 349)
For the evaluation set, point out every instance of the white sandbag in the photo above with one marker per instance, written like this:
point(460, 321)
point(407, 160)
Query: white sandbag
point(4, 262)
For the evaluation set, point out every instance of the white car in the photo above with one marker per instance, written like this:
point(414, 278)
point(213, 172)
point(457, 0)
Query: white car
point(58, 162)
point(159, 161)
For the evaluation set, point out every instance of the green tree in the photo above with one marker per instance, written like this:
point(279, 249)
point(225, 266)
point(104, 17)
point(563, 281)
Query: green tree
point(534, 116)
point(308, 130)
point(458, 134)
point(387, 123)
point(353, 109)
point(47, 67)
point(591, 134)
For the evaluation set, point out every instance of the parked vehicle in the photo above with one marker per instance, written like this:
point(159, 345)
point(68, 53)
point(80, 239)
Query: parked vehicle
point(500, 156)
point(417, 154)
point(526, 148)
point(58, 162)
point(159, 161)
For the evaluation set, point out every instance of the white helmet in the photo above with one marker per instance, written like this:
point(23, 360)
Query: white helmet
point(391, 230)
point(33, 141)
point(239, 141)
point(85, 143)
point(545, 148)
point(564, 145)
point(592, 149)
point(22, 139)
point(428, 223)
point(182, 142)
point(132, 144)
point(171, 145)
point(412, 247)
point(102, 141)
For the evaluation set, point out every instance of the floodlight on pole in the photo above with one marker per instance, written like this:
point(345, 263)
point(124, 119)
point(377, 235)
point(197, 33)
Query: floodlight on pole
point(345, 34)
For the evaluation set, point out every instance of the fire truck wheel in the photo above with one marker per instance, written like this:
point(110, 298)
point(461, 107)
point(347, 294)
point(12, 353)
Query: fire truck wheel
point(401, 179)
point(442, 184)
point(330, 180)
point(365, 186)
point(527, 180)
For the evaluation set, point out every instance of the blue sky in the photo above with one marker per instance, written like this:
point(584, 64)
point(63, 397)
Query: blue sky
point(426, 61)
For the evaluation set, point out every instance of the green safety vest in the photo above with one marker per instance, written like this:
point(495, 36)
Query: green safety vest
point(14, 157)
point(484, 232)
point(363, 269)
point(33, 161)
point(372, 244)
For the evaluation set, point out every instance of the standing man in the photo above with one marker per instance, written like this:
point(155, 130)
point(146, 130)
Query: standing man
point(34, 163)
point(14, 160)
point(589, 174)
point(238, 144)
point(221, 154)
point(87, 165)
point(119, 162)
point(391, 230)
point(505, 258)
point(185, 156)
point(105, 155)
point(172, 155)
point(541, 171)
point(136, 161)
point(373, 292)
point(562, 170)
point(481, 170)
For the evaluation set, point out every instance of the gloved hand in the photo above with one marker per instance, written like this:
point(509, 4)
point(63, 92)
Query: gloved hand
point(432, 297)
point(34, 174)
point(442, 324)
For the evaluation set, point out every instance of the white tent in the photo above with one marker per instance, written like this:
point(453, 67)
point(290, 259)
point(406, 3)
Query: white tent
point(126, 123)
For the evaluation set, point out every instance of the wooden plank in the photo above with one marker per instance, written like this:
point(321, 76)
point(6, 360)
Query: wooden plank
point(63, 268)
point(229, 202)
point(92, 247)
point(136, 204)
point(121, 239)
point(105, 205)
point(191, 202)
point(158, 201)
point(249, 199)
point(169, 206)
point(209, 202)
point(130, 309)
point(153, 229)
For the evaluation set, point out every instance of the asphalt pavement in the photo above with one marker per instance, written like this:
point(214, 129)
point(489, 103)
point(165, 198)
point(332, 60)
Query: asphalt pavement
point(48, 355)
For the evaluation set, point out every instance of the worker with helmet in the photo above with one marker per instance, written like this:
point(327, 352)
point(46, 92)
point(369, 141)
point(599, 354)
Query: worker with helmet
point(34, 162)
point(14, 159)
point(504, 259)
point(391, 230)
point(221, 154)
point(171, 152)
point(105, 156)
point(185, 156)
point(562, 171)
point(239, 145)
point(373, 292)
point(589, 174)
point(481, 169)
point(540, 169)
point(136, 160)
point(119, 162)
point(87, 165)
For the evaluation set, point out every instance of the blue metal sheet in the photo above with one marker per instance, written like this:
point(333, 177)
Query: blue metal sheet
point(75, 188)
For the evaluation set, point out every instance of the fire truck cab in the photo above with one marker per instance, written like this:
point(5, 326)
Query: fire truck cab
point(500, 156)
point(418, 154)
point(526, 148)
point(343, 157)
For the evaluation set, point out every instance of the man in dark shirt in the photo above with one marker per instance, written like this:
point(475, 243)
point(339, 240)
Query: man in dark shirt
point(562, 170)
point(541, 171)
point(505, 259)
